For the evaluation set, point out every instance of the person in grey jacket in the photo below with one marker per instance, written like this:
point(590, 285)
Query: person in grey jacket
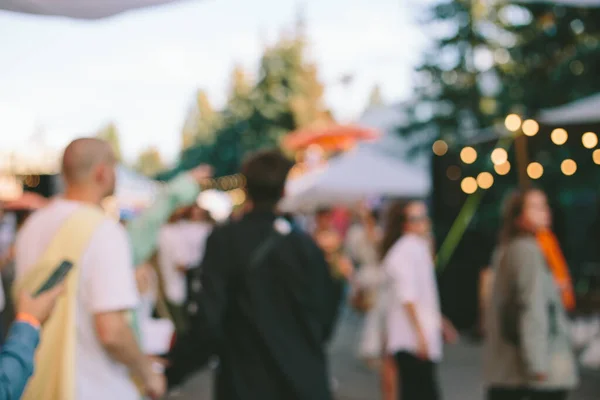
point(17, 355)
point(528, 353)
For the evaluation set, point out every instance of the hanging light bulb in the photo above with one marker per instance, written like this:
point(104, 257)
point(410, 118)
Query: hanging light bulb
point(485, 180)
point(535, 170)
point(499, 156)
point(440, 147)
point(453, 173)
point(559, 136)
point(512, 122)
point(468, 155)
point(502, 169)
point(469, 185)
point(596, 156)
point(589, 140)
point(530, 127)
point(568, 167)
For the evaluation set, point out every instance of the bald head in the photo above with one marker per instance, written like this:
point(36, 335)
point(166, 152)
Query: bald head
point(88, 161)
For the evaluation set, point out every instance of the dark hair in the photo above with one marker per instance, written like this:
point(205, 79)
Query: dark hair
point(375, 213)
point(323, 211)
point(265, 173)
point(512, 210)
point(395, 220)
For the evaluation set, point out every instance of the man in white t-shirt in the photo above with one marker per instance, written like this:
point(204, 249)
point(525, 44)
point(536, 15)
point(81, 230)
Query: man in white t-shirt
point(106, 350)
point(414, 322)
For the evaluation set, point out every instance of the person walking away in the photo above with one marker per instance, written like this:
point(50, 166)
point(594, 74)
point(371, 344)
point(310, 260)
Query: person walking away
point(369, 285)
point(90, 349)
point(266, 306)
point(528, 352)
point(196, 228)
point(17, 356)
point(415, 325)
point(331, 242)
point(173, 264)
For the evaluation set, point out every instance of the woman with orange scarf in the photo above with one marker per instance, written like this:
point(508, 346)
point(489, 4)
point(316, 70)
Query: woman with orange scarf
point(558, 265)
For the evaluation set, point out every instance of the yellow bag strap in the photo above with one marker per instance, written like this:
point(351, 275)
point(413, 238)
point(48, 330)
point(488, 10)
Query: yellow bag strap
point(54, 377)
point(68, 244)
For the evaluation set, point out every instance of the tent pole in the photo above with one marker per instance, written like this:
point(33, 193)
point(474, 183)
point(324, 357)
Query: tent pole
point(522, 160)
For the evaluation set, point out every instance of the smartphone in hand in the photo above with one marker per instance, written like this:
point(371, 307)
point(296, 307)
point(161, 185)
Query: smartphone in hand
point(59, 275)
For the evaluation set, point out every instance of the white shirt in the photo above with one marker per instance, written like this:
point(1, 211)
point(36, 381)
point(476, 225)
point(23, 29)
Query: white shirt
point(181, 244)
point(194, 241)
point(409, 267)
point(106, 283)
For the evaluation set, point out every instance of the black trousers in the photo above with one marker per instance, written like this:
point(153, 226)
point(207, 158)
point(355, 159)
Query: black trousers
point(525, 394)
point(417, 378)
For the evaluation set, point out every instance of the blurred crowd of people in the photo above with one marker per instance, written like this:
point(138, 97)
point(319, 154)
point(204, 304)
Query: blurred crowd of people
point(160, 295)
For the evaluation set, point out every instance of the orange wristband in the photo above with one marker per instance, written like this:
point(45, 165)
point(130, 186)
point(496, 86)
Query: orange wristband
point(28, 318)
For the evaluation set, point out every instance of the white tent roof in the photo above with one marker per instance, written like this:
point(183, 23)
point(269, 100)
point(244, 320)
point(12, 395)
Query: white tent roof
point(134, 189)
point(80, 9)
point(353, 176)
point(572, 3)
point(583, 111)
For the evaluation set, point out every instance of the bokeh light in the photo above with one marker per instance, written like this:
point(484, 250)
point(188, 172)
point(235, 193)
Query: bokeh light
point(469, 185)
point(512, 122)
point(499, 156)
point(485, 180)
point(559, 136)
point(596, 156)
point(502, 169)
point(535, 170)
point(453, 172)
point(468, 155)
point(440, 147)
point(589, 140)
point(568, 167)
point(530, 127)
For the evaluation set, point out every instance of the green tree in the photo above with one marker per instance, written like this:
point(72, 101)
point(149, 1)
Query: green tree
point(201, 123)
point(458, 81)
point(110, 133)
point(554, 54)
point(149, 162)
point(239, 103)
point(287, 95)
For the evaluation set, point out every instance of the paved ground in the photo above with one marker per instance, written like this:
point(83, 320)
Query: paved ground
point(460, 374)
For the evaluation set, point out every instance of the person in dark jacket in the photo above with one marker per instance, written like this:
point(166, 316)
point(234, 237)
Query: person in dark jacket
point(263, 302)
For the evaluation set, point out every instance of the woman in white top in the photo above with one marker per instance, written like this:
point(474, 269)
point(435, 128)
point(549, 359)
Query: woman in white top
point(415, 325)
point(362, 244)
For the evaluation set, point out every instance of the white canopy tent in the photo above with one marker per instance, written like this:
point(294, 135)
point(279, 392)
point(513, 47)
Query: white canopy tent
point(79, 9)
point(353, 176)
point(134, 190)
point(583, 111)
point(373, 169)
point(571, 3)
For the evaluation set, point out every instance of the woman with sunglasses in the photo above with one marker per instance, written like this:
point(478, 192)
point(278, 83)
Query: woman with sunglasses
point(415, 325)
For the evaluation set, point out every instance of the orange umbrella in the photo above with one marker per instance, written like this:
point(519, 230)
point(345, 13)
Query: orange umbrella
point(329, 137)
point(28, 201)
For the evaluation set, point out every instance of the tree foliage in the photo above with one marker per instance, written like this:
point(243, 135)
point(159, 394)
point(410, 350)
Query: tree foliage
point(201, 123)
point(149, 162)
point(493, 58)
point(554, 54)
point(286, 95)
point(110, 133)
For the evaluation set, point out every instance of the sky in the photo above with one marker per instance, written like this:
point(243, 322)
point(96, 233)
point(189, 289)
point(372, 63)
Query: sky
point(67, 78)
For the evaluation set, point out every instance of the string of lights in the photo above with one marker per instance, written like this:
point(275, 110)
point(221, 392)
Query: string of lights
point(475, 186)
